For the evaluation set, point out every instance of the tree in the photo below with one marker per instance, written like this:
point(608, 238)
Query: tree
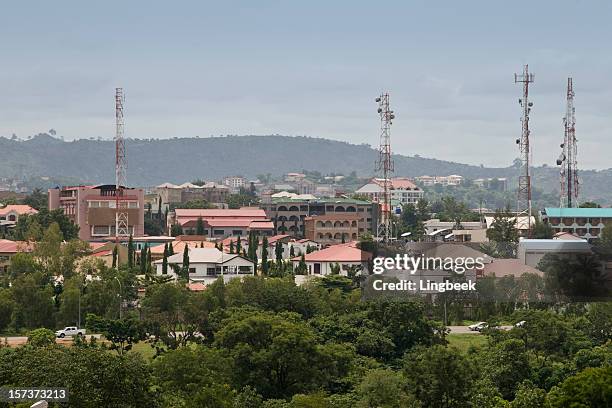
point(385, 388)
point(199, 374)
point(264, 256)
point(95, 377)
point(43, 220)
point(589, 388)
point(176, 230)
point(41, 338)
point(185, 267)
point(34, 306)
point(302, 268)
point(165, 259)
point(36, 199)
point(277, 354)
point(170, 315)
point(542, 230)
point(238, 245)
point(144, 255)
point(115, 256)
point(131, 252)
point(504, 234)
point(439, 376)
point(278, 251)
point(200, 226)
point(7, 305)
point(122, 333)
point(577, 277)
point(590, 204)
point(231, 247)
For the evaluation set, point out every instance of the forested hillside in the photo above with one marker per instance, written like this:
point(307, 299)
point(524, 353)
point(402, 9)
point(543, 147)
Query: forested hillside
point(151, 161)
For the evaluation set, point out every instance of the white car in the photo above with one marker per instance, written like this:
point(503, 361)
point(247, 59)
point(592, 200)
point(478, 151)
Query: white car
point(520, 324)
point(478, 326)
point(69, 332)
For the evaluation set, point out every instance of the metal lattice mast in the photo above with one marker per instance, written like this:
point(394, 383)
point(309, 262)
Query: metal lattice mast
point(567, 159)
point(121, 218)
point(384, 165)
point(524, 184)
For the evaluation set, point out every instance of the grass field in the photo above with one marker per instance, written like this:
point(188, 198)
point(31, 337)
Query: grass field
point(144, 349)
point(464, 341)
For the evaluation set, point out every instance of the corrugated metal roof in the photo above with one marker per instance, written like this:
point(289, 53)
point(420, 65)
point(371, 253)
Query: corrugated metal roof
point(579, 212)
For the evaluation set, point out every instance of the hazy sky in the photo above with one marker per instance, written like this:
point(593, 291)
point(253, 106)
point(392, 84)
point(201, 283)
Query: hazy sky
point(313, 68)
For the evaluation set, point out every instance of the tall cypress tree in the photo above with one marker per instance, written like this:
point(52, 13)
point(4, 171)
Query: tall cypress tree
point(264, 255)
point(115, 256)
point(238, 245)
point(231, 248)
point(149, 263)
point(199, 226)
point(143, 260)
point(131, 252)
point(185, 268)
point(278, 252)
point(165, 260)
point(170, 249)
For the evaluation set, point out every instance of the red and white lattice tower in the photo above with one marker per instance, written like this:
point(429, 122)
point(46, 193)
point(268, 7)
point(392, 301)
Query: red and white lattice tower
point(567, 159)
point(121, 214)
point(384, 165)
point(524, 184)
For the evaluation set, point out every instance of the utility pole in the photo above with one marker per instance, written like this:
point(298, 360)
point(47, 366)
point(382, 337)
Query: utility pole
point(567, 159)
point(524, 184)
point(384, 164)
point(121, 213)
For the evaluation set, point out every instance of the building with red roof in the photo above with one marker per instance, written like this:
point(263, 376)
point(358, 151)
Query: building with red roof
point(344, 255)
point(8, 249)
point(221, 223)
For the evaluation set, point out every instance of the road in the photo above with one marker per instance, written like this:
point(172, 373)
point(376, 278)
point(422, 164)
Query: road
point(465, 330)
point(19, 340)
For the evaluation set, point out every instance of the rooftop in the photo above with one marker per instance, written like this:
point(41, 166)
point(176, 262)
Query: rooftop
point(20, 209)
point(579, 212)
point(337, 253)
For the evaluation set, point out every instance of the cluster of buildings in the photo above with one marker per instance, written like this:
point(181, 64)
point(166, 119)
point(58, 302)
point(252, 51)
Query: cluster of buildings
point(312, 223)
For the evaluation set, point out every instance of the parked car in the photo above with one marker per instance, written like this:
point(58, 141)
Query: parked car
point(520, 324)
point(69, 331)
point(478, 326)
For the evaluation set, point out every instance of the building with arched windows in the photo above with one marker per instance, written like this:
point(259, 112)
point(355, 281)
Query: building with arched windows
point(332, 228)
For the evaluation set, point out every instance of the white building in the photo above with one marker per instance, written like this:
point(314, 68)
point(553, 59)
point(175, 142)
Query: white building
point(320, 263)
point(531, 251)
point(208, 264)
point(235, 182)
point(402, 189)
point(452, 180)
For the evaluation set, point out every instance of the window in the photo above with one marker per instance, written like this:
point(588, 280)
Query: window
point(192, 270)
point(211, 271)
point(133, 204)
point(218, 232)
point(100, 230)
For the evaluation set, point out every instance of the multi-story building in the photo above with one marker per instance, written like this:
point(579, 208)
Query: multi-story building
point(235, 182)
point(452, 180)
point(403, 190)
point(166, 195)
point(93, 209)
point(332, 228)
point(289, 214)
point(224, 223)
point(585, 223)
point(12, 212)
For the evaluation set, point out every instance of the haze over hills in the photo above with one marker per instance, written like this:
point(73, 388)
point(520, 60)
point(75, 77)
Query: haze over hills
point(153, 161)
